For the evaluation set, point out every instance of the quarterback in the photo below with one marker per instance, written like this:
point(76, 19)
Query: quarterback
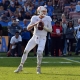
point(41, 24)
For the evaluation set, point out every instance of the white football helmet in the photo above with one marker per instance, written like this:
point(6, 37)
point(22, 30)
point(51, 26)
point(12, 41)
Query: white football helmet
point(41, 10)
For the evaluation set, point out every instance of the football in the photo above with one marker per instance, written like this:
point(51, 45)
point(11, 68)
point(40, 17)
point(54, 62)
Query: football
point(8, 53)
point(40, 26)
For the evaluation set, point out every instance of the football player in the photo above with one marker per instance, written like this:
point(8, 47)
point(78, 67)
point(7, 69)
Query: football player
point(41, 24)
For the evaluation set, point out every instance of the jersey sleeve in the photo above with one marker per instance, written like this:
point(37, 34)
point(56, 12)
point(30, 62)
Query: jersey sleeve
point(33, 19)
point(49, 18)
point(11, 41)
point(49, 22)
point(20, 38)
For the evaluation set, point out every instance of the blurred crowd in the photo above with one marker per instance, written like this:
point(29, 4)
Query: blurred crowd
point(17, 13)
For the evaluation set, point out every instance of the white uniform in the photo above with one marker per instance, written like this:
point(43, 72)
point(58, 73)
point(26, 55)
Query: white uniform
point(78, 32)
point(15, 40)
point(39, 36)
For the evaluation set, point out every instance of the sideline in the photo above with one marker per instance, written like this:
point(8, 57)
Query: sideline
point(44, 62)
point(71, 60)
point(57, 62)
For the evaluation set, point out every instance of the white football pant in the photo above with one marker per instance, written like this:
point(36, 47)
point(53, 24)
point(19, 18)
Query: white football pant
point(40, 40)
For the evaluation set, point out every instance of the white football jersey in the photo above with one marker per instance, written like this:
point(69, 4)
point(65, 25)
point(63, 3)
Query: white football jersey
point(15, 40)
point(78, 32)
point(47, 23)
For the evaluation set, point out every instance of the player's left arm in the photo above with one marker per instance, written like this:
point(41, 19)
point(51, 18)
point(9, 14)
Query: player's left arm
point(49, 27)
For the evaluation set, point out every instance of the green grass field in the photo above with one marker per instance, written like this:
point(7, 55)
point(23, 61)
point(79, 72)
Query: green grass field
point(53, 68)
